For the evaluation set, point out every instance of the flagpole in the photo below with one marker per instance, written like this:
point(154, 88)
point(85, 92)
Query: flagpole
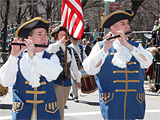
point(65, 55)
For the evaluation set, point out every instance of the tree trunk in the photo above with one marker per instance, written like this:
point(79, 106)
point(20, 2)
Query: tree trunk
point(135, 5)
point(84, 2)
point(5, 25)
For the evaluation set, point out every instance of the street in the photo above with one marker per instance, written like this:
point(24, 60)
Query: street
point(88, 107)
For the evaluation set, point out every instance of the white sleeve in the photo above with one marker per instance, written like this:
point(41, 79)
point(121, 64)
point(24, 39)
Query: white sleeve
point(8, 71)
point(140, 50)
point(84, 54)
point(75, 73)
point(90, 62)
point(54, 47)
point(49, 68)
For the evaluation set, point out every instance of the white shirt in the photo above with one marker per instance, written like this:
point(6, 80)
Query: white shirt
point(78, 50)
point(53, 48)
point(49, 68)
point(97, 54)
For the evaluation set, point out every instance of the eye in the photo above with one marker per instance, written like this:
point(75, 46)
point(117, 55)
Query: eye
point(39, 34)
point(122, 24)
point(46, 34)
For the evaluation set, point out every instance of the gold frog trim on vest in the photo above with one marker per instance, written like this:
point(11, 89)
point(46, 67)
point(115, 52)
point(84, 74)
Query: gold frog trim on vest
point(106, 98)
point(42, 83)
point(17, 106)
point(140, 97)
point(51, 107)
point(136, 71)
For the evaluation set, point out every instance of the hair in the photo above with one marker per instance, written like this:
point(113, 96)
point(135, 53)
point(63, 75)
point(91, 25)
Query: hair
point(56, 36)
point(30, 33)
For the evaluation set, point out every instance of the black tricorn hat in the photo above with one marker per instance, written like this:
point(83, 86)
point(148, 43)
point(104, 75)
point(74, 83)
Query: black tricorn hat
point(30, 25)
point(74, 37)
point(57, 29)
point(115, 17)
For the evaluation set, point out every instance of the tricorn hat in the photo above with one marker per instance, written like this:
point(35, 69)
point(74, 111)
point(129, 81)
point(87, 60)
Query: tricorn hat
point(116, 16)
point(57, 29)
point(30, 25)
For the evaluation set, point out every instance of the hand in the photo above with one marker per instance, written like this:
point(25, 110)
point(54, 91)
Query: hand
point(108, 43)
point(63, 40)
point(123, 40)
point(79, 85)
point(16, 49)
point(30, 47)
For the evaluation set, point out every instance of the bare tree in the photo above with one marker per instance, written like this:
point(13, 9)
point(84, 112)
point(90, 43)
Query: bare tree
point(21, 12)
point(146, 11)
point(49, 6)
point(5, 22)
point(135, 5)
point(32, 5)
point(84, 2)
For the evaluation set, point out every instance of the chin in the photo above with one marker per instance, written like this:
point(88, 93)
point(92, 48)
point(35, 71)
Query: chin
point(39, 49)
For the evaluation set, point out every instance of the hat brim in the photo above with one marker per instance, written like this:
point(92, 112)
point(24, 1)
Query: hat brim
point(30, 25)
point(115, 17)
point(57, 29)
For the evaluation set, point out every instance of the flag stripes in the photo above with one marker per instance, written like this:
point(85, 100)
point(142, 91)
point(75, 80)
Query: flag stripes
point(72, 17)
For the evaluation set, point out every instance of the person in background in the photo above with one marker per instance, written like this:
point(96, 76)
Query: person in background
point(154, 33)
point(95, 34)
point(63, 82)
point(86, 30)
point(86, 46)
point(79, 56)
point(158, 34)
point(32, 73)
point(120, 67)
point(150, 72)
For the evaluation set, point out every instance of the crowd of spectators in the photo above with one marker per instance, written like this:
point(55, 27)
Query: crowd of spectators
point(153, 45)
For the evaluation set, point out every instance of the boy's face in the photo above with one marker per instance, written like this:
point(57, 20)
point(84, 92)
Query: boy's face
point(40, 36)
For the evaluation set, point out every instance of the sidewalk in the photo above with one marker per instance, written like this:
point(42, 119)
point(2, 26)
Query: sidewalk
point(6, 101)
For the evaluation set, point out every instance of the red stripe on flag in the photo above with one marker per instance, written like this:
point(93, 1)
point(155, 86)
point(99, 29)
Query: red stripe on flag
point(75, 10)
point(75, 26)
point(70, 17)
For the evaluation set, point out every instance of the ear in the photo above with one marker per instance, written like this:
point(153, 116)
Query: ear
point(111, 27)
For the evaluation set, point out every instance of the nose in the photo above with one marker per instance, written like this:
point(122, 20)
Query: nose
point(44, 37)
point(128, 26)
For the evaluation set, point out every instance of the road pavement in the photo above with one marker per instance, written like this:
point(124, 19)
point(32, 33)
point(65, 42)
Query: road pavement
point(88, 107)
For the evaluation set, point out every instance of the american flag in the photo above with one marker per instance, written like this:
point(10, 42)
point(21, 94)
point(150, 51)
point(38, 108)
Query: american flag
point(72, 17)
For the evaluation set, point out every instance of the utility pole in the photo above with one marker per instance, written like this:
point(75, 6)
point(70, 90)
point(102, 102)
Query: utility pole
point(107, 6)
point(107, 9)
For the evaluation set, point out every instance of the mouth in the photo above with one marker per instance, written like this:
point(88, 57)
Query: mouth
point(43, 44)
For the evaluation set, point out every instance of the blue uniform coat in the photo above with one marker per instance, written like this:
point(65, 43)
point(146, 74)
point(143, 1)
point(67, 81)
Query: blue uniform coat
point(42, 98)
point(121, 90)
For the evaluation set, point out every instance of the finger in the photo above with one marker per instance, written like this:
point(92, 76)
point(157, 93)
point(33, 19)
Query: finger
point(21, 50)
point(63, 38)
point(108, 35)
point(26, 44)
point(15, 40)
point(20, 40)
point(31, 42)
